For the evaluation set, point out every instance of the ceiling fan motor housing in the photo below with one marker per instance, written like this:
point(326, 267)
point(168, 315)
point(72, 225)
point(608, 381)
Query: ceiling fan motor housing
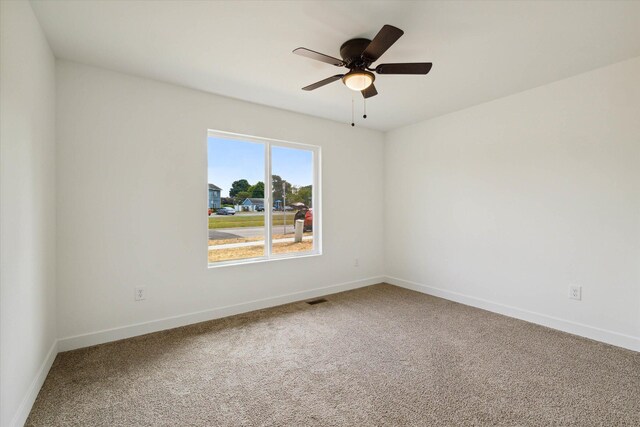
point(351, 53)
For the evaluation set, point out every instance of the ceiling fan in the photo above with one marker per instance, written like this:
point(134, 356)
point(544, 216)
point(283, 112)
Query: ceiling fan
point(358, 55)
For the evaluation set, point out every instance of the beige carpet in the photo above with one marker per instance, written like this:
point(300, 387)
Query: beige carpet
point(375, 356)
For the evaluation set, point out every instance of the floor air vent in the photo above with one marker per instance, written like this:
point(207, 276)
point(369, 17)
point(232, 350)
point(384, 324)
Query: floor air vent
point(316, 301)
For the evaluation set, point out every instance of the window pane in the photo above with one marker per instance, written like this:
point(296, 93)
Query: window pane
point(236, 199)
point(291, 182)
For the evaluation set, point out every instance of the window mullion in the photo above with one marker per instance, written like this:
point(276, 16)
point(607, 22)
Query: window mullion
point(268, 202)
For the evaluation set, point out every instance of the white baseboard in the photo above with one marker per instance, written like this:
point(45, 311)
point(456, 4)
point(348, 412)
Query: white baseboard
point(592, 332)
point(107, 335)
point(34, 388)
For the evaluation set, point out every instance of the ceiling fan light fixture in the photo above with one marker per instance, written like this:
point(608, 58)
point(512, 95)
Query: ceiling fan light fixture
point(358, 80)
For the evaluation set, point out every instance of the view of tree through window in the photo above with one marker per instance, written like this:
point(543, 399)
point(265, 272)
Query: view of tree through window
point(242, 213)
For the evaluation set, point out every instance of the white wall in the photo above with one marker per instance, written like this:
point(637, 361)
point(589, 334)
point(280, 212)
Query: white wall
point(27, 216)
point(514, 200)
point(132, 174)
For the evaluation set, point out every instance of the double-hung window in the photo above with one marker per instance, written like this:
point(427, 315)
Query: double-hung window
point(269, 199)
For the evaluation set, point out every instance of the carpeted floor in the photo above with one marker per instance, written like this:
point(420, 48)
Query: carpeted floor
point(375, 356)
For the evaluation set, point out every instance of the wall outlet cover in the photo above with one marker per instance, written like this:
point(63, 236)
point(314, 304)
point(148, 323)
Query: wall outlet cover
point(140, 293)
point(575, 292)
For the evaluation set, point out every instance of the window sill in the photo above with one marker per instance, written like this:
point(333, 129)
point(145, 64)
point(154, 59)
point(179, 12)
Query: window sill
point(247, 261)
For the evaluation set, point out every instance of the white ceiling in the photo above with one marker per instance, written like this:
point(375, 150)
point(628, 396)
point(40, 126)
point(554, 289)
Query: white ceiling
point(242, 49)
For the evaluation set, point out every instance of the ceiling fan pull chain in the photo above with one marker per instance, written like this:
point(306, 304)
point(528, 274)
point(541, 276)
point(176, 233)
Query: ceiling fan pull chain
point(352, 111)
point(364, 116)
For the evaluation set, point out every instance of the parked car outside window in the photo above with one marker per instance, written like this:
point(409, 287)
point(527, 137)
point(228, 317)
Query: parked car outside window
point(226, 211)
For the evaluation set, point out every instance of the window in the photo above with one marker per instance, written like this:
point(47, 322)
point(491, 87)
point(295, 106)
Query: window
point(263, 199)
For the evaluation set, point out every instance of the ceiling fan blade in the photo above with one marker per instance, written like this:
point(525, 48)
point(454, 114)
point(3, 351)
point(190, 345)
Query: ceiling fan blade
point(370, 91)
point(318, 56)
point(321, 83)
point(386, 37)
point(405, 68)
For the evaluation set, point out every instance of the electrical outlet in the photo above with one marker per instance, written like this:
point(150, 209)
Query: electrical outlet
point(575, 292)
point(141, 294)
point(356, 262)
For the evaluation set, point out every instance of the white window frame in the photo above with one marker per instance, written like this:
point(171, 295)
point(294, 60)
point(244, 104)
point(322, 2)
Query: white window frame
point(268, 202)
